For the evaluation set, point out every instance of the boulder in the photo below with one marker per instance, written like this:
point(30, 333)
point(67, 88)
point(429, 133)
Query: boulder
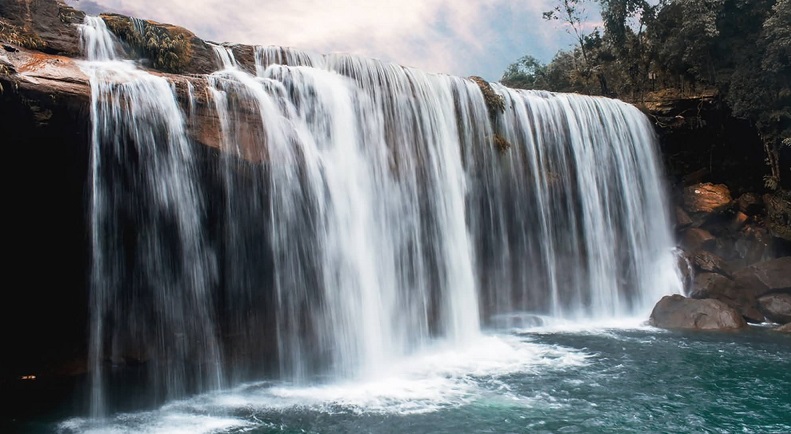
point(679, 312)
point(718, 287)
point(752, 245)
point(706, 198)
point(783, 328)
point(697, 238)
point(683, 220)
point(776, 307)
point(767, 276)
point(750, 204)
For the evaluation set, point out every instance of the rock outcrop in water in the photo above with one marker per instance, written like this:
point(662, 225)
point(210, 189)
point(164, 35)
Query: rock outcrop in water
point(679, 312)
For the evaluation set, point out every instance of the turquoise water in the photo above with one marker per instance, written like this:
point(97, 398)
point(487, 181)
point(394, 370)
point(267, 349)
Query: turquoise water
point(560, 379)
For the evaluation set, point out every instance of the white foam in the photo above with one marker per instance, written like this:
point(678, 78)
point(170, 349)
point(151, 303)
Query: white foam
point(159, 422)
point(539, 324)
point(440, 377)
point(443, 376)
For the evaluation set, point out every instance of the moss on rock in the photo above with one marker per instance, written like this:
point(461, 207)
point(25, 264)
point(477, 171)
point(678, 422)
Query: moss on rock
point(167, 47)
point(494, 102)
point(20, 35)
point(501, 144)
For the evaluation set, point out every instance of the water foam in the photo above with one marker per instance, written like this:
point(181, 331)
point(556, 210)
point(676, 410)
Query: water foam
point(441, 377)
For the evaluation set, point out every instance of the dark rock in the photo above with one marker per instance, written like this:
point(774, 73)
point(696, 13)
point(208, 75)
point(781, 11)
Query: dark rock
point(752, 245)
point(750, 204)
point(776, 307)
point(696, 238)
point(783, 328)
point(707, 261)
point(683, 219)
point(679, 312)
point(738, 221)
point(718, 287)
point(767, 276)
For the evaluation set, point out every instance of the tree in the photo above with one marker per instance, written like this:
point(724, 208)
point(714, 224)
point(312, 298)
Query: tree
point(526, 73)
point(574, 15)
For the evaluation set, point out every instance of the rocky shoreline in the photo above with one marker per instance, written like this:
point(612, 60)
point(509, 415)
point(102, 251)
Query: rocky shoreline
point(733, 234)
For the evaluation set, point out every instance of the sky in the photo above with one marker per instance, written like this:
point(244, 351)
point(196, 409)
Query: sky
point(457, 37)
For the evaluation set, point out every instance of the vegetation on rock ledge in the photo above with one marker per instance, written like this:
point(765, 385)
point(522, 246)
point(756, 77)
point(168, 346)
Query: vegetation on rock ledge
point(167, 47)
point(19, 35)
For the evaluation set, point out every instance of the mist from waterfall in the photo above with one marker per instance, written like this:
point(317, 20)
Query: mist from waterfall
point(355, 213)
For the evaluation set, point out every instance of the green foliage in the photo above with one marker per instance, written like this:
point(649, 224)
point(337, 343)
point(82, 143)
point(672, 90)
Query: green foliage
point(526, 73)
point(740, 47)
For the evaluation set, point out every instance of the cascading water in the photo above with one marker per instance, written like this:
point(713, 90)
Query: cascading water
point(359, 212)
point(152, 272)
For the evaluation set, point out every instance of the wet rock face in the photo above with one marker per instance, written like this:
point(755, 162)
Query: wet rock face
point(679, 312)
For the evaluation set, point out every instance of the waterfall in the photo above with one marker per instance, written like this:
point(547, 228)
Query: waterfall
point(151, 271)
point(356, 212)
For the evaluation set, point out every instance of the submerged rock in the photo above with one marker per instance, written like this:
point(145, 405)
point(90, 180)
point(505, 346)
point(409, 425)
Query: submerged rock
point(678, 312)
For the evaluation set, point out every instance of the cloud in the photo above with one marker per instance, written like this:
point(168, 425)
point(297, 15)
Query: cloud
point(471, 37)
